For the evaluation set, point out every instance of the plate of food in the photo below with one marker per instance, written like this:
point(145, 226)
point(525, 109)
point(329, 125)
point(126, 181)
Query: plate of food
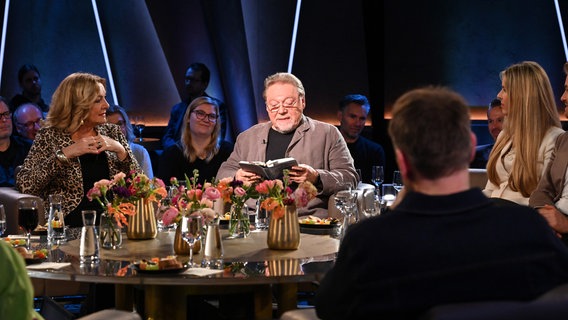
point(318, 223)
point(16, 242)
point(32, 256)
point(166, 265)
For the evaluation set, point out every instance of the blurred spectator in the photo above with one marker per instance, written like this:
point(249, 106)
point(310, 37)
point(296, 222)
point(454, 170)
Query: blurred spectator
point(117, 115)
point(28, 118)
point(200, 146)
point(13, 148)
point(30, 82)
point(352, 114)
point(197, 78)
point(495, 118)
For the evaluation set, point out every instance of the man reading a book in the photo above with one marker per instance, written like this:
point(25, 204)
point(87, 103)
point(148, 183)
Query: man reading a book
point(318, 147)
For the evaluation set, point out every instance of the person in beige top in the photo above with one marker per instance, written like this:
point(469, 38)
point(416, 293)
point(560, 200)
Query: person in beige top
point(524, 147)
point(551, 195)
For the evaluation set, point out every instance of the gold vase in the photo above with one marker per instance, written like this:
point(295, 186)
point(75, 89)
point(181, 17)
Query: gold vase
point(181, 247)
point(143, 224)
point(284, 233)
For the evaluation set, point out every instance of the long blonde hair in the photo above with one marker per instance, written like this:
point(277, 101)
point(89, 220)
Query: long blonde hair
point(72, 100)
point(531, 113)
point(214, 143)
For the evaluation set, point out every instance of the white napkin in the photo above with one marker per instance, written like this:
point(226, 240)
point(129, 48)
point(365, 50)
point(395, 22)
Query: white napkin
point(48, 265)
point(201, 272)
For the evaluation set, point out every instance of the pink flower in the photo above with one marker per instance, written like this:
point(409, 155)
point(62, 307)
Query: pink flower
point(212, 193)
point(170, 216)
point(240, 192)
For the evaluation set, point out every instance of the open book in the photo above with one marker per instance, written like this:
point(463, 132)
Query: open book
point(271, 169)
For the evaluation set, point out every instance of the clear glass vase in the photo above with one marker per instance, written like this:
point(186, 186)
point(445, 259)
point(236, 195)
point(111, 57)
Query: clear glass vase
point(110, 234)
point(239, 222)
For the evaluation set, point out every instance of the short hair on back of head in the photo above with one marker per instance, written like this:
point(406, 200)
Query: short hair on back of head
point(432, 127)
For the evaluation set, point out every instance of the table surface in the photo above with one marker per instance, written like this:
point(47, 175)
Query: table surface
point(247, 261)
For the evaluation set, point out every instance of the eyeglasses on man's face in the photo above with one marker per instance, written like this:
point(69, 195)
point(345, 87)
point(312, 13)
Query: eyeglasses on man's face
point(274, 106)
point(212, 117)
point(6, 115)
point(31, 124)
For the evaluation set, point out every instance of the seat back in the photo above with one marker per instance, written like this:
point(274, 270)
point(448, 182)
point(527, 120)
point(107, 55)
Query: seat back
point(9, 198)
point(477, 178)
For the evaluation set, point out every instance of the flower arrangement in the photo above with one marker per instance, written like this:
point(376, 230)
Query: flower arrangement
point(193, 199)
point(237, 193)
point(278, 193)
point(117, 196)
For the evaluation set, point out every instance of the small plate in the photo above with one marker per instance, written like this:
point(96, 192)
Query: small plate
point(319, 226)
point(34, 261)
point(163, 271)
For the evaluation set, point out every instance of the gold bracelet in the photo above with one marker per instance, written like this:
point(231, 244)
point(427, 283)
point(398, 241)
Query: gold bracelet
point(61, 157)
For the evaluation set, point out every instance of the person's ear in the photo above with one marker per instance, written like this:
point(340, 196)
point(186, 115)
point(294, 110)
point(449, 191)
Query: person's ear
point(402, 163)
point(339, 116)
point(473, 138)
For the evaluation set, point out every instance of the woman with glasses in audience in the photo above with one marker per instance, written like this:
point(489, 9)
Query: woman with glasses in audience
point(200, 146)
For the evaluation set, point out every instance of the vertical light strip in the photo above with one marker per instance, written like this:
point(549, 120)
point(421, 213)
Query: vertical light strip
point(4, 31)
point(105, 55)
point(294, 33)
point(561, 24)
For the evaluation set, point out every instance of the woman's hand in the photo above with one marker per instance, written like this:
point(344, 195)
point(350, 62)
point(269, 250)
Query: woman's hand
point(94, 145)
point(556, 219)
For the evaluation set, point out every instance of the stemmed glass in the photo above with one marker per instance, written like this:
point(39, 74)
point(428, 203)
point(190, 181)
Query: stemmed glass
point(191, 231)
point(2, 220)
point(397, 181)
point(139, 125)
point(345, 201)
point(27, 217)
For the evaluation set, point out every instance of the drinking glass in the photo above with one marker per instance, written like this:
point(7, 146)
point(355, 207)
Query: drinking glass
point(377, 178)
point(359, 177)
point(191, 230)
point(139, 125)
point(397, 181)
point(2, 220)
point(28, 217)
point(346, 202)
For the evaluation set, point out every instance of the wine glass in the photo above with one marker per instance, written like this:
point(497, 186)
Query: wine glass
point(191, 230)
point(345, 201)
point(139, 125)
point(2, 220)
point(377, 178)
point(397, 181)
point(27, 217)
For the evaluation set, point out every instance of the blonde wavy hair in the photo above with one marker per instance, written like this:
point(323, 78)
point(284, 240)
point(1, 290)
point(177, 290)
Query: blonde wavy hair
point(531, 113)
point(72, 101)
point(214, 143)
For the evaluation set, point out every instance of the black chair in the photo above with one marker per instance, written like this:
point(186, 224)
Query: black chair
point(51, 310)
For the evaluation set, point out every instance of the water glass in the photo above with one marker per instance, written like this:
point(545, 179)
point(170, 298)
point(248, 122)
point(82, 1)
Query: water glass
point(261, 217)
point(191, 230)
point(56, 222)
point(89, 246)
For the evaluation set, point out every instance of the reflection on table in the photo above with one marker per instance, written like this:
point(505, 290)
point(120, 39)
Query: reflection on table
point(150, 144)
point(250, 268)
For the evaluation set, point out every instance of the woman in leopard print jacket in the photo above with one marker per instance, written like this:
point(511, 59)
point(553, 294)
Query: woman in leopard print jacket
point(75, 147)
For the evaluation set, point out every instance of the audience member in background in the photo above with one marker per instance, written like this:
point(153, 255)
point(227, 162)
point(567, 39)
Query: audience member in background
point(13, 148)
point(30, 82)
point(524, 146)
point(16, 290)
point(551, 195)
point(444, 242)
point(117, 115)
point(352, 114)
point(318, 147)
point(495, 120)
point(200, 146)
point(75, 148)
point(28, 118)
point(196, 82)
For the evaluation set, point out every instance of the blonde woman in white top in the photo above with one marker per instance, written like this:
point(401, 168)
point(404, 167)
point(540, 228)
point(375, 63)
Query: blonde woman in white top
point(524, 146)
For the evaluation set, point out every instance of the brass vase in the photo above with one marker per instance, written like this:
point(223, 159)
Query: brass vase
point(284, 233)
point(181, 247)
point(143, 224)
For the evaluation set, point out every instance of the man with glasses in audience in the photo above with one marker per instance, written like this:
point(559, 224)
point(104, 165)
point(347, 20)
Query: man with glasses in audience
point(13, 149)
point(27, 119)
point(318, 147)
